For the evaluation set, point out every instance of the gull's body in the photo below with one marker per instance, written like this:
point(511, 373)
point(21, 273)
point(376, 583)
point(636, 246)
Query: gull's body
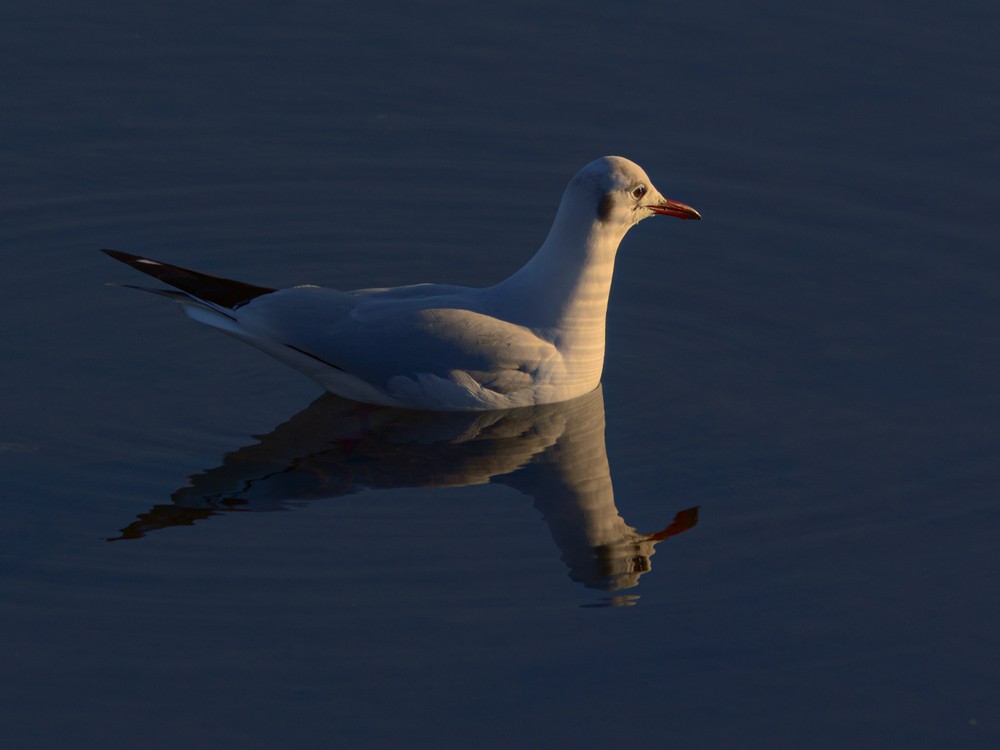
point(536, 337)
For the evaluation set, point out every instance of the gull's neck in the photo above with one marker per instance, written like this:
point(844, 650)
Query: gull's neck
point(562, 292)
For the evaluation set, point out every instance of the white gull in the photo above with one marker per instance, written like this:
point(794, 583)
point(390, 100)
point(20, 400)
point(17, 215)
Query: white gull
point(537, 337)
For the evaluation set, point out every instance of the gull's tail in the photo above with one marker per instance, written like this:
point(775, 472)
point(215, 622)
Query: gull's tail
point(196, 287)
point(215, 302)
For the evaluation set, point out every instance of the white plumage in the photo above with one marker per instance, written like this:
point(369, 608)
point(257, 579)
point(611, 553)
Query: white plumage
point(536, 337)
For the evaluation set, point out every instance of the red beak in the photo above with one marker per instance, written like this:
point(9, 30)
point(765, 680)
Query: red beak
point(673, 208)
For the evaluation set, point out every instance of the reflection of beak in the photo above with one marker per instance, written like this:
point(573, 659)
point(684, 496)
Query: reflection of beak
point(682, 521)
point(673, 208)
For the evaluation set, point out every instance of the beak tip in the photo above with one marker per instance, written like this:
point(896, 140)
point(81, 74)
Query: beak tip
point(676, 209)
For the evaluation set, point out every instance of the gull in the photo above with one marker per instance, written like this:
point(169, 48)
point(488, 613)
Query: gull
point(536, 337)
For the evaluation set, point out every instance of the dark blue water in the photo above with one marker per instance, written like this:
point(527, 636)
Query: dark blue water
point(775, 526)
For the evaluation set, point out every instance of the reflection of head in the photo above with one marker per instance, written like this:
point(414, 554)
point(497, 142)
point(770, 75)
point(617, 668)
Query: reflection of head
point(571, 487)
point(618, 565)
point(554, 453)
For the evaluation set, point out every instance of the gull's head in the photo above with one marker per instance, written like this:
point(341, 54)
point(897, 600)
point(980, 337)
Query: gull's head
point(621, 194)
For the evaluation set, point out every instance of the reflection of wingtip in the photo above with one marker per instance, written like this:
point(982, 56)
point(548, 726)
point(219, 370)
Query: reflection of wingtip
point(161, 517)
point(683, 521)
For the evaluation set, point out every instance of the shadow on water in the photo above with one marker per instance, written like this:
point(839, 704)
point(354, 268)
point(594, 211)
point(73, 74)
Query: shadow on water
point(554, 453)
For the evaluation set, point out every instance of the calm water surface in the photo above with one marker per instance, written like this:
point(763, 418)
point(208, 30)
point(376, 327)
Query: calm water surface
point(774, 526)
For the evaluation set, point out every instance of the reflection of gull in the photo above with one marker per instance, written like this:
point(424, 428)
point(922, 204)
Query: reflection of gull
point(553, 453)
point(537, 337)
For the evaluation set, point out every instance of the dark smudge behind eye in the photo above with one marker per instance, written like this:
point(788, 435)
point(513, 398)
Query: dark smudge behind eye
point(604, 207)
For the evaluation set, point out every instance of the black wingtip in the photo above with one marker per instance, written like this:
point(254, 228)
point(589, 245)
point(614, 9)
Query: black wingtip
point(119, 255)
point(218, 291)
point(136, 261)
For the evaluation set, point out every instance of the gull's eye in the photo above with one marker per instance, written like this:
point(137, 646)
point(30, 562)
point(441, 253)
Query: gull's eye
point(638, 192)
